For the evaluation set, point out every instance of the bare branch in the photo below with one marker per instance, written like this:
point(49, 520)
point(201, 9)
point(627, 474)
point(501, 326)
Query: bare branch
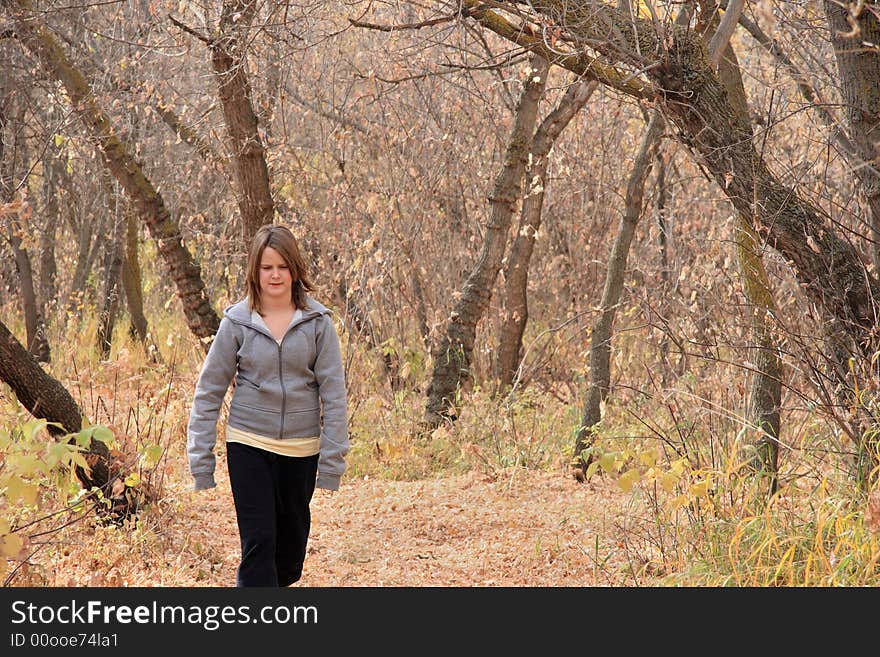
point(578, 63)
point(404, 26)
point(725, 30)
point(190, 30)
point(839, 135)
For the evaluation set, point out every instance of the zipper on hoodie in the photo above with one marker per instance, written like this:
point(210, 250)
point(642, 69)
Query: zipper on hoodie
point(281, 371)
point(283, 389)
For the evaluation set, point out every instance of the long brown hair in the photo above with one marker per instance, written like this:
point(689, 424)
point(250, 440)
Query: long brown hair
point(282, 240)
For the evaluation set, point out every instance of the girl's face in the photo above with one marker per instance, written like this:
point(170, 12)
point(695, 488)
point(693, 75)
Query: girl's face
point(276, 281)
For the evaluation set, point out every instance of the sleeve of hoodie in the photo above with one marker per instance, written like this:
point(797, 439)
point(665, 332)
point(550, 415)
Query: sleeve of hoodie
point(331, 388)
point(214, 379)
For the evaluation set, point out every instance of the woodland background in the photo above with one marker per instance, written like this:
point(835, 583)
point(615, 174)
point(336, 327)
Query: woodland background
point(604, 274)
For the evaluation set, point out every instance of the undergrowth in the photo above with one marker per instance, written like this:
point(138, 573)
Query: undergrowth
point(698, 517)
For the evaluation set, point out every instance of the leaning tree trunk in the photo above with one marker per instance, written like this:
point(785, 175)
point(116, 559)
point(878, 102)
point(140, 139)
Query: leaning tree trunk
point(201, 317)
point(516, 311)
point(858, 70)
point(855, 31)
point(44, 397)
point(230, 68)
point(683, 82)
point(858, 65)
point(452, 353)
point(600, 339)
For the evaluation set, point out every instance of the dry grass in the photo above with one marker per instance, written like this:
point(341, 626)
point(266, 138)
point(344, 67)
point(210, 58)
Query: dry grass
point(485, 502)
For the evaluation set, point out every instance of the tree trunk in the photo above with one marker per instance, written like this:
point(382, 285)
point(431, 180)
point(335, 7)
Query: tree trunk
point(418, 293)
point(87, 247)
point(35, 325)
point(52, 218)
point(664, 232)
point(249, 154)
point(201, 317)
point(364, 329)
point(113, 256)
point(600, 339)
point(37, 341)
point(452, 354)
point(855, 33)
point(131, 283)
point(765, 394)
point(516, 277)
point(44, 397)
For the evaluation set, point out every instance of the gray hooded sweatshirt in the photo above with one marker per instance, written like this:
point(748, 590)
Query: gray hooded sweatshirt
point(292, 390)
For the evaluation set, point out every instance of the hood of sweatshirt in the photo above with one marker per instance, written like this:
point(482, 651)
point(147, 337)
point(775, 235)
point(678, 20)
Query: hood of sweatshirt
point(240, 313)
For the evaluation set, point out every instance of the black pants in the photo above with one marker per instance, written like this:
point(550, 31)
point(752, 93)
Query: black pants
point(272, 495)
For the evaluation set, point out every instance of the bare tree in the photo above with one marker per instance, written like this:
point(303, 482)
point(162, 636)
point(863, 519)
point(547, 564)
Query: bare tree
point(228, 49)
point(600, 338)
point(117, 155)
point(765, 395)
point(133, 286)
point(681, 78)
point(11, 130)
point(452, 353)
point(516, 277)
point(114, 254)
point(52, 167)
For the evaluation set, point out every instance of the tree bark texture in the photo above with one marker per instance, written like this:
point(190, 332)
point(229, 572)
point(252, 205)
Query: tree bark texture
point(600, 339)
point(418, 294)
point(249, 155)
point(664, 233)
point(87, 247)
point(35, 325)
point(452, 353)
point(765, 395)
point(366, 331)
point(516, 279)
point(837, 135)
point(117, 155)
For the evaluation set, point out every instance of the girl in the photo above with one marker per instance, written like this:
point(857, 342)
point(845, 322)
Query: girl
point(287, 429)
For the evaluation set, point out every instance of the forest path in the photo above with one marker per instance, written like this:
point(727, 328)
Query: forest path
point(514, 528)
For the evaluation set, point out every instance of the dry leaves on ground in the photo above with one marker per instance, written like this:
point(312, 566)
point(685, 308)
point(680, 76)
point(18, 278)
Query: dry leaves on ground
point(512, 528)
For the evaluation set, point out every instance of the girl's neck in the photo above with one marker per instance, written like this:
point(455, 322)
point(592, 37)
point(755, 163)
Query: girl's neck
point(278, 308)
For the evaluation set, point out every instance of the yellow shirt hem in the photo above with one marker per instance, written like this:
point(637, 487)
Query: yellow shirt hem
point(282, 446)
